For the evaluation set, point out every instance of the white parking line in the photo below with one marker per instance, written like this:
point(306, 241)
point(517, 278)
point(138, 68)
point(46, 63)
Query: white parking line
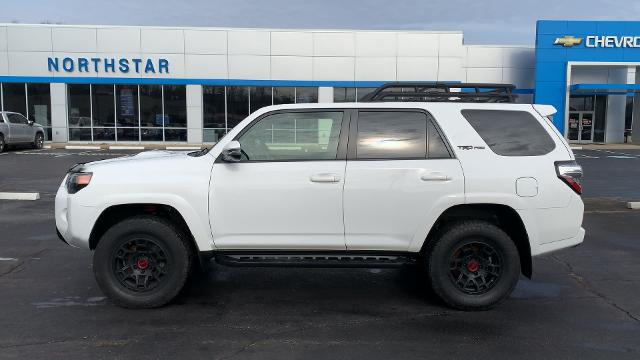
point(19, 196)
point(125, 147)
point(616, 152)
point(82, 147)
point(635, 205)
point(8, 259)
point(576, 148)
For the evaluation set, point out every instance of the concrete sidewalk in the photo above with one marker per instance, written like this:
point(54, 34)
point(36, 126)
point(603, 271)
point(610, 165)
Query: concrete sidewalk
point(606, 146)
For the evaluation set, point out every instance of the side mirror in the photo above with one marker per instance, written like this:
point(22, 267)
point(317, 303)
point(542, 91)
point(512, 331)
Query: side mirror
point(30, 122)
point(232, 152)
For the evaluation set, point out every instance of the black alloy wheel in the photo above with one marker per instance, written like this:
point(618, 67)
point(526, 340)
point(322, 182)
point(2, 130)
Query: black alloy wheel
point(475, 267)
point(141, 264)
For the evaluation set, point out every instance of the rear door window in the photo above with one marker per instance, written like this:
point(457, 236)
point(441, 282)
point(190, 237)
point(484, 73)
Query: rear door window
point(398, 135)
point(392, 135)
point(510, 132)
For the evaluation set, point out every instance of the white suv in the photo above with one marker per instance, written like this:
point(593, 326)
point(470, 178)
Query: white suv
point(467, 191)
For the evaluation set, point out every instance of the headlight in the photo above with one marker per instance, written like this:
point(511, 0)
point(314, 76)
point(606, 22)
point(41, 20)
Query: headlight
point(78, 181)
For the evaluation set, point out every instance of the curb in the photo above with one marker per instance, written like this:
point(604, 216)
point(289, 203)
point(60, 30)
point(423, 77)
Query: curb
point(634, 205)
point(19, 196)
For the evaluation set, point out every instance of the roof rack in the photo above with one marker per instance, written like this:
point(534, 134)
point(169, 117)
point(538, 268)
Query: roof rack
point(443, 92)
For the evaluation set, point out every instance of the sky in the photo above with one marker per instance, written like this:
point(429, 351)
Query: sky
point(482, 21)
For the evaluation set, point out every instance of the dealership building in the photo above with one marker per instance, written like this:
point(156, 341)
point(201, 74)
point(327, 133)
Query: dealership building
point(130, 84)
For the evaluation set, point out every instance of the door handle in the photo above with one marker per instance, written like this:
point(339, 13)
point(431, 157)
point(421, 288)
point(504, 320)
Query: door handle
point(435, 177)
point(325, 178)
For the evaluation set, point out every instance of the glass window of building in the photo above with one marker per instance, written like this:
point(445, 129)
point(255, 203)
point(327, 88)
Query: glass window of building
point(343, 94)
point(127, 113)
point(284, 95)
point(237, 104)
point(103, 112)
point(79, 112)
point(39, 106)
point(364, 91)
point(151, 113)
point(259, 97)
point(306, 95)
point(214, 121)
point(14, 97)
point(175, 112)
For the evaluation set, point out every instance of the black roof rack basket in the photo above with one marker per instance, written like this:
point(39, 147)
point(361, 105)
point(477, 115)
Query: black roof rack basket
point(442, 92)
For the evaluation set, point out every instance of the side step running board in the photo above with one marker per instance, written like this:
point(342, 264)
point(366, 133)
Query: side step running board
point(317, 260)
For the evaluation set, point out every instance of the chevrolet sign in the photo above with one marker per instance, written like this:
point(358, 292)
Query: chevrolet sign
point(597, 41)
point(612, 42)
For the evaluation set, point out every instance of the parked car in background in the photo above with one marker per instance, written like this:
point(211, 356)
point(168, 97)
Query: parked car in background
point(15, 128)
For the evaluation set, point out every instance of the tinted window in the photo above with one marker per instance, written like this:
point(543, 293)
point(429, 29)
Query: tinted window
point(175, 108)
point(17, 119)
point(343, 94)
point(306, 95)
point(437, 149)
point(293, 136)
point(237, 104)
point(14, 97)
point(259, 97)
point(284, 95)
point(510, 133)
point(79, 106)
point(151, 107)
point(127, 108)
point(392, 135)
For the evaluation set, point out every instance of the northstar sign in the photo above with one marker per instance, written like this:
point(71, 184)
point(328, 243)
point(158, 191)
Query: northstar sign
point(108, 65)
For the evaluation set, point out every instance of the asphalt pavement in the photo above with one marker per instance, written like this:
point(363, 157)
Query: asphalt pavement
point(582, 303)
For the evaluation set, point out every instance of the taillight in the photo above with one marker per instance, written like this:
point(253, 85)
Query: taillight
point(571, 173)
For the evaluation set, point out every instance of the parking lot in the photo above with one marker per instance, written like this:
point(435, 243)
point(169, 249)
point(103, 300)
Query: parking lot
point(581, 303)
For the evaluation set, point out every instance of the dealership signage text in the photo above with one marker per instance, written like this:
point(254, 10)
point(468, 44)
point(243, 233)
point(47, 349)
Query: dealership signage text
point(108, 65)
point(594, 41)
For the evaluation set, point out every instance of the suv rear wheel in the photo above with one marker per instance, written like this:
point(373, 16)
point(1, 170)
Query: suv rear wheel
point(142, 262)
point(473, 265)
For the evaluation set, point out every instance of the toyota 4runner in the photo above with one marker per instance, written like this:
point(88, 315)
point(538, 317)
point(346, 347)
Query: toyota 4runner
point(458, 181)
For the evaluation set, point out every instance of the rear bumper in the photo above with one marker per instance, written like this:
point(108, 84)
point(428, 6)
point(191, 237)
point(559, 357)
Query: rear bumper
point(562, 244)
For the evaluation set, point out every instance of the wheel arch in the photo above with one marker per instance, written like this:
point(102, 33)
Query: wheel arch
point(116, 213)
point(503, 216)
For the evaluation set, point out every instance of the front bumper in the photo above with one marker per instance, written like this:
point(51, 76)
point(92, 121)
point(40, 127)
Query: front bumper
point(73, 221)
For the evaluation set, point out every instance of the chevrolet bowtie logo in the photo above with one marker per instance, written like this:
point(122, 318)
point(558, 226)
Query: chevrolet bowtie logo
point(568, 41)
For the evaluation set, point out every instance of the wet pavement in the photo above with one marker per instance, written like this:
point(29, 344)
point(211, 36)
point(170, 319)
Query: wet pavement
point(582, 303)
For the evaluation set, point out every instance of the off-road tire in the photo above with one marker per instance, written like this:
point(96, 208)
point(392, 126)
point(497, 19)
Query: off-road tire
point(179, 257)
point(448, 242)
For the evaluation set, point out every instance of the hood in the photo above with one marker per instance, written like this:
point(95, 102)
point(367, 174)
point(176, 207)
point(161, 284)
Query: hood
point(147, 157)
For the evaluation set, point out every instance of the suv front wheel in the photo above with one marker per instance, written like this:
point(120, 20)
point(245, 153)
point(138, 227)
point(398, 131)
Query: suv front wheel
point(142, 262)
point(472, 265)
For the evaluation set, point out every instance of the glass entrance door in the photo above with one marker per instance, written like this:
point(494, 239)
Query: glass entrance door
point(580, 127)
point(586, 127)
